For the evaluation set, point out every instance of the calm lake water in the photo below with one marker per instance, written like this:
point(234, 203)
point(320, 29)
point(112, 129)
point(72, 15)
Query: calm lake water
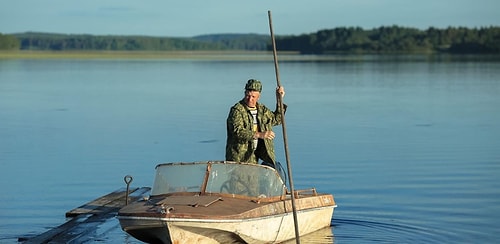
point(409, 146)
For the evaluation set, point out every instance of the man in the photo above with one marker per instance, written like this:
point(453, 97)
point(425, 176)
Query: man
point(249, 127)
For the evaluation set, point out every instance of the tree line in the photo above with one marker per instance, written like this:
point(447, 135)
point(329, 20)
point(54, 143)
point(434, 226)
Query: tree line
point(385, 39)
point(8, 42)
point(63, 42)
point(395, 39)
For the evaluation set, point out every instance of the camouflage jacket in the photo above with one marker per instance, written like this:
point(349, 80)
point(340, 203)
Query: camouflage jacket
point(239, 144)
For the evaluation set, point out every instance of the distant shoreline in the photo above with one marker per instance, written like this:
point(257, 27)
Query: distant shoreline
point(167, 55)
point(209, 55)
point(236, 56)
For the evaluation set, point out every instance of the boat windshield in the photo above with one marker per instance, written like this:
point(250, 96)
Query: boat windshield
point(224, 177)
point(245, 179)
point(180, 177)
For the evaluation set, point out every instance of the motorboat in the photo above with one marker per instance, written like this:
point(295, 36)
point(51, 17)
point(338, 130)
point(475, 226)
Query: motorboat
point(224, 202)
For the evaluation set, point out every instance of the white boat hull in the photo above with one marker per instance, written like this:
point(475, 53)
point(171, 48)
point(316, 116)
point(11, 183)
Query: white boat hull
point(270, 229)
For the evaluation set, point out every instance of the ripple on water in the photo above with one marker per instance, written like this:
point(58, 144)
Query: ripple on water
point(361, 231)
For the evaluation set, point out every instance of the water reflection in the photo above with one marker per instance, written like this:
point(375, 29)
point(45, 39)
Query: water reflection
point(323, 236)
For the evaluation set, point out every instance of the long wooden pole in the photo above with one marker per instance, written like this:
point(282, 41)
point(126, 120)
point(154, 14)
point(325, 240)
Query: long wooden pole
point(283, 125)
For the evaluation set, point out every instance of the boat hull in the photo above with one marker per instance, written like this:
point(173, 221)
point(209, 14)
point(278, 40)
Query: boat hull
point(270, 229)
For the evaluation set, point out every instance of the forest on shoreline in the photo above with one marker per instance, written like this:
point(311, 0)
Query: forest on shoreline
point(341, 40)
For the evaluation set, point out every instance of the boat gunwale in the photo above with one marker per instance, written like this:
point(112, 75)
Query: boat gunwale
point(211, 220)
point(287, 196)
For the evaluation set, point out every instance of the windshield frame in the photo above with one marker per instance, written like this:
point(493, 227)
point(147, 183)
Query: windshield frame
point(218, 177)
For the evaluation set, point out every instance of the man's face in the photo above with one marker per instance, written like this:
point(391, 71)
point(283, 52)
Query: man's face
point(251, 98)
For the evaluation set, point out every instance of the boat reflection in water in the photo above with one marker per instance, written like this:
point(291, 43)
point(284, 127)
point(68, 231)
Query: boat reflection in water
point(221, 202)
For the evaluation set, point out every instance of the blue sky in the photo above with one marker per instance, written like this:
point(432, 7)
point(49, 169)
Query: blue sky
point(185, 18)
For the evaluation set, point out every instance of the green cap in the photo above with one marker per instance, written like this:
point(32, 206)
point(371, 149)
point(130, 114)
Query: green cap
point(253, 85)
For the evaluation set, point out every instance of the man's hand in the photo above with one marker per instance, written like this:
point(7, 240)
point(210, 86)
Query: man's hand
point(280, 90)
point(265, 135)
